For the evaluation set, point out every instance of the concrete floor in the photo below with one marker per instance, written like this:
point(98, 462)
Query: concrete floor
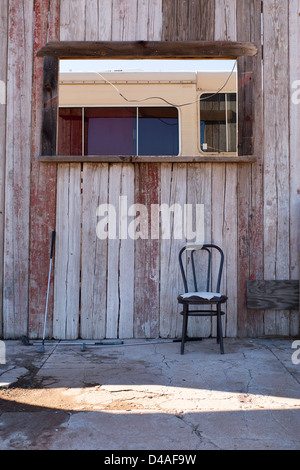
point(149, 397)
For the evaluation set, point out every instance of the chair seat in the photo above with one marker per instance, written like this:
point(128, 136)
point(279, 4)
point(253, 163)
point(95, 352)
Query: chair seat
point(202, 297)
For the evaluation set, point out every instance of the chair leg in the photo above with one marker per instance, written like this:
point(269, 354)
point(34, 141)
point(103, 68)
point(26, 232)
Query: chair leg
point(219, 329)
point(184, 327)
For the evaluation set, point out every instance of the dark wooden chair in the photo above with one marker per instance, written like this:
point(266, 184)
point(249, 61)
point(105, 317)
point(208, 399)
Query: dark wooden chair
point(213, 298)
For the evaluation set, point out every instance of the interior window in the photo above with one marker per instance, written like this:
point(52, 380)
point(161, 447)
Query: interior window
point(218, 123)
point(118, 131)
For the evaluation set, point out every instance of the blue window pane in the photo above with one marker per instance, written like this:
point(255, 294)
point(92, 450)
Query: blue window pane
point(202, 127)
point(158, 131)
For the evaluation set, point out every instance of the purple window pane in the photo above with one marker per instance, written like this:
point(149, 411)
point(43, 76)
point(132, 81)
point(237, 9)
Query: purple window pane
point(110, 131)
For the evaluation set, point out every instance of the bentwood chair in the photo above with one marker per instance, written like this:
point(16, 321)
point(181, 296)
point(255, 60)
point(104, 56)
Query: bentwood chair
point(212, 298)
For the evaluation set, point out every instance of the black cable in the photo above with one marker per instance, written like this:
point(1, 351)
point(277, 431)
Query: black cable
point(163, 99)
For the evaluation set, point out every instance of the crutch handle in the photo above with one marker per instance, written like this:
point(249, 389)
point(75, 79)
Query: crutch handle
point(52, 244)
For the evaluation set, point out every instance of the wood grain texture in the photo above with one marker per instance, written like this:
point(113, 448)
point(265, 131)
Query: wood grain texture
point(94, 254)
point(173, 192)
point(294, 119)
point(50, 103)
point(126, 255)
point(120, 285)
point(3, 86)
point(188, 20)
point(275, 295)
point(145, 159)
point(17, 180)
point(147, 275)
point(276, 155)
point(127, 49)
point(43, 177)
point(67, 252)
point(250, 177)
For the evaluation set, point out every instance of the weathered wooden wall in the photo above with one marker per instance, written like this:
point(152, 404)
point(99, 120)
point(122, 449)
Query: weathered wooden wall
point(126, 288)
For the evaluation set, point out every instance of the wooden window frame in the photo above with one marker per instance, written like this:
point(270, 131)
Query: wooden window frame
point(60, 50)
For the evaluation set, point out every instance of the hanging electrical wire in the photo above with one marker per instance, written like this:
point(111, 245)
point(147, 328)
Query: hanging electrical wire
point(163, 99)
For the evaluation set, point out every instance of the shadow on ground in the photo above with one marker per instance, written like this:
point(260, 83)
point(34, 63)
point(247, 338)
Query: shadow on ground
point(149, 397)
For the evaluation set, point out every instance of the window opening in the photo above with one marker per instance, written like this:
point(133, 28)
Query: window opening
point(111, 102)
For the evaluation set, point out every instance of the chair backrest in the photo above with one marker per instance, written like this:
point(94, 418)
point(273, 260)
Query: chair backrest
point(209, 248)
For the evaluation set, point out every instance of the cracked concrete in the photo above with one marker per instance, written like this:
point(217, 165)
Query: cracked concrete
point(148, 397)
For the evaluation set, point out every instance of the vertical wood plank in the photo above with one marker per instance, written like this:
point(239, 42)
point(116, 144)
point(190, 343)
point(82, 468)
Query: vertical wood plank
point(124, 20)
point(94, 254)
point(91, 20)
point(17, 184)
point(250, 188)
point(60, 283)
point(43, 177)
point(113, 293)
point(67, 253)
point(72, 20)
point(49, 106)
point(105, 20)
point(120, 283)
point(147, 192)
point(246, 31)
point(149, 25)
point(276, 158)
point(173, 191)
point(230, 248)
point(218, 222)
point(3, 86)
point(53, 20)
point(188, 20)
point(225, 20)
point(294, 119)
point(255, 324)
point(126, 253)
